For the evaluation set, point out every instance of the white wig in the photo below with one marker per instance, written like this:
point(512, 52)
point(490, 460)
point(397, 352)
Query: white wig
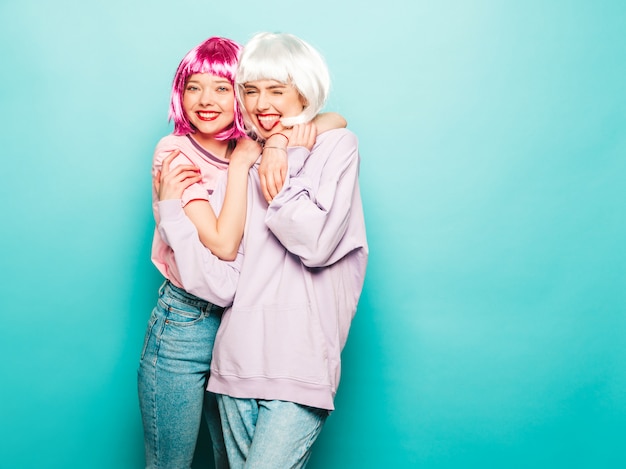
point(285, 58)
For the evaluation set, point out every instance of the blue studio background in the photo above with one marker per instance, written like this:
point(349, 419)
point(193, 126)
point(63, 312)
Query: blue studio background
point(493, 140)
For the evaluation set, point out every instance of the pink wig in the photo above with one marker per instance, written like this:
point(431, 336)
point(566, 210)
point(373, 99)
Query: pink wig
point(217, 56)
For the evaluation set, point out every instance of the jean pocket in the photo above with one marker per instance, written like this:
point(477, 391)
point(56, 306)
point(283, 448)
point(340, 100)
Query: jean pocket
point(182, 316)
point(151, 322)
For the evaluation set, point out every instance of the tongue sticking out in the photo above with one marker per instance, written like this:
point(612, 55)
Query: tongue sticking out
point(269, 122)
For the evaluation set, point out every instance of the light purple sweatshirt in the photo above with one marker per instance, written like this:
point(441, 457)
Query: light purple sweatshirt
point(304, 261)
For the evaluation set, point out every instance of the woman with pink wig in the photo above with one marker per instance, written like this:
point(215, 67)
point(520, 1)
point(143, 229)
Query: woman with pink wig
point(208, 138)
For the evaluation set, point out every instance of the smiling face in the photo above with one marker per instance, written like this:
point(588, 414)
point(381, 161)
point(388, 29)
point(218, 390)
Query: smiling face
point(267, 101)
point(209, 103)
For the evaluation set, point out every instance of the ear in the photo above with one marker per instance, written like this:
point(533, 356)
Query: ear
point(303, 101)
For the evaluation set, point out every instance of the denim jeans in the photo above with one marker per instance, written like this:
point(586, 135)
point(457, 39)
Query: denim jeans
point(172, 378)
point(273, 434)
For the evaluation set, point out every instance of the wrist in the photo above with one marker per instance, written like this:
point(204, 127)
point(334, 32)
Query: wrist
point(267, 147)
point(238, 165)
point(278, 140)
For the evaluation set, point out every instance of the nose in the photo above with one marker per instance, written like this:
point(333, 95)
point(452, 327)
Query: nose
point(206, 98)
point(262, 103)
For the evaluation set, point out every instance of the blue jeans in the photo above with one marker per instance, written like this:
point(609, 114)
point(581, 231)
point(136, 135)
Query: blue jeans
point(172, 378)
point(274, 434)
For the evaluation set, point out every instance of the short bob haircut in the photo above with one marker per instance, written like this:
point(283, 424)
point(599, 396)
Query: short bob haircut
point(287, 59)
point(217, 56)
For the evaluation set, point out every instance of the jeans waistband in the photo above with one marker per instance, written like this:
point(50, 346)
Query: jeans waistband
point(189, 299)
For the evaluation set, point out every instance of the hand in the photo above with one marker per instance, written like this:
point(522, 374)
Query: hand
point(246, 152)
point(170, 184)
point(272, 171)
point(303, 135)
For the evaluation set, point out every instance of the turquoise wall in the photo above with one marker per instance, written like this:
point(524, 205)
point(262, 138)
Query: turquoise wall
point(493, 138)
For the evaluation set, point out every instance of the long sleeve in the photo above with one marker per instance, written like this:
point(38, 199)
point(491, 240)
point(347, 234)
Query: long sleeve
point(202, 274)
point(213, 170)
point(311, 219)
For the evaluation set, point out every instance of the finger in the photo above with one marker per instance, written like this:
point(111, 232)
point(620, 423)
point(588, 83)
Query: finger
point(312, 135)
point(173, 189)
point(279, 180)
point(168, 160)
point(183, 168)
point(283, 176)
point(266, 194)
point(187, 173)
point(262, 165)
point(180, 172)
point(308, 135)
point(185, 179)
point(299, 130)
point(314, 128)
point(156, 181)
point(271, 187)
point(304, 135)
point(293, 136)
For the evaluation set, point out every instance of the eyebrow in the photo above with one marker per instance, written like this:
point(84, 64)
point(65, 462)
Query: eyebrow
point(224, 80)
point(271, 87)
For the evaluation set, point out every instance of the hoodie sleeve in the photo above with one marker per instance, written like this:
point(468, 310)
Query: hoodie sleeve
point(202, 274)
point(311, 215)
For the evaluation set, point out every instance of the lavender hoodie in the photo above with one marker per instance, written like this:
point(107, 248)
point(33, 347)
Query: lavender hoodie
point(304, 260)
